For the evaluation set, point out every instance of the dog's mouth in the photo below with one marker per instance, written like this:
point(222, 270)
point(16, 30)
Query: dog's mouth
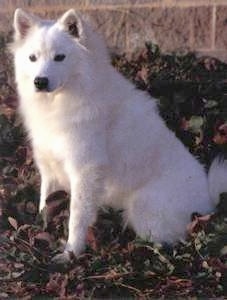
point(49, 90)
point(46, 91)
point(42, 91)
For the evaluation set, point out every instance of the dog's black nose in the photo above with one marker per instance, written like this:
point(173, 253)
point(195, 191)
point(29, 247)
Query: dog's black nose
point(41, 83)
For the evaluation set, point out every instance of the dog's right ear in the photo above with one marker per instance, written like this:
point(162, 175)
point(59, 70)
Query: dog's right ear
point(22, 23)
point(71, 23)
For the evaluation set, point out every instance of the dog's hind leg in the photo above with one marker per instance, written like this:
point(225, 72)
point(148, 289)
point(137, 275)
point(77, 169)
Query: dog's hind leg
point(156, 213)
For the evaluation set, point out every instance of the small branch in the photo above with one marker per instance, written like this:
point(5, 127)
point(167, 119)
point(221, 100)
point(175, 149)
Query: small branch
point(110, 276)
point(129, 287)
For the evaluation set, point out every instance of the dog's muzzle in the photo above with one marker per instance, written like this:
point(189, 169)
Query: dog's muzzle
point(41, 83)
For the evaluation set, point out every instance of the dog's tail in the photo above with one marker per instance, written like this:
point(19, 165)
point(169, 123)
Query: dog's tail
point(217, 178)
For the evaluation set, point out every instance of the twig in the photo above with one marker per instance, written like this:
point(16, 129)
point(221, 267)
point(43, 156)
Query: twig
point(110, 276)
point(28, 246)
point(129, 287)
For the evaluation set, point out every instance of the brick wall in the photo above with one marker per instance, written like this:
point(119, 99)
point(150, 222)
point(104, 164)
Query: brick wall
point(175, 25)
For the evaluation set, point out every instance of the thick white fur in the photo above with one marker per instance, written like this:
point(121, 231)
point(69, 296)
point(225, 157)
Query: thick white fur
point(99, 138)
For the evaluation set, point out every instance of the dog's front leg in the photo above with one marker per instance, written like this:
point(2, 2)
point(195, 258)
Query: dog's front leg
point(48, 182)
point(86, 192)
point(48, 185)
point(45, 190)
point(83, 211)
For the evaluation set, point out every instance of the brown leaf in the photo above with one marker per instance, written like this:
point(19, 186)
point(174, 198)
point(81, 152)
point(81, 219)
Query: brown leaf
point(21, 155)
point(44, 238)
point(217, 264)
point(220, 136)
point(184, 124)
point(91, 239)
point(11, 101)
point(197, 223)
point(142, 74)
point(210, 64)
point(13, 223)
point(31, 207)
point(57, 284)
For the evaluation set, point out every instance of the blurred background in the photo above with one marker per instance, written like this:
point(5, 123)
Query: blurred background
point(175, 25)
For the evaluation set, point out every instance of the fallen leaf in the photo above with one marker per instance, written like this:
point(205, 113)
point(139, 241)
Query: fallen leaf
point(13, 222)
point(91, 239)
point(11, 101)
point(44, 238)
point(195, 123)
point(197, 223)
point(220, 136)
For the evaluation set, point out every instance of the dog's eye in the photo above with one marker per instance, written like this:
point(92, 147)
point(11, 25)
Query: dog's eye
point(33, 58)
point(59, 57)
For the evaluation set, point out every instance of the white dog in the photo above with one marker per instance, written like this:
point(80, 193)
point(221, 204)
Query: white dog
point(96, 136)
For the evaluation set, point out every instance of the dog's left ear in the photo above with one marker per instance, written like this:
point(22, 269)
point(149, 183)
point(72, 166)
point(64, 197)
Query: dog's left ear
point(23, 22)
point(71, 23)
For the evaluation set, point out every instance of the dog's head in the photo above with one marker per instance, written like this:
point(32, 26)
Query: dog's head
point(51, 55)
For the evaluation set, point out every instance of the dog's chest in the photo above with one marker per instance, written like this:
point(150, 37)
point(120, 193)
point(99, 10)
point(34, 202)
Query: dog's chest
point(49, 139)
point(51, 152)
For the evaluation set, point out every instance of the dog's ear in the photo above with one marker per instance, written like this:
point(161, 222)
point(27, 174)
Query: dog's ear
point(71, 23)
point(22, 23)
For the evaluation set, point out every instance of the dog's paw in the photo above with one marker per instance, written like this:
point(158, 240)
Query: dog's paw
point(42, 206)
point(62, 258)
point(44, 216)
